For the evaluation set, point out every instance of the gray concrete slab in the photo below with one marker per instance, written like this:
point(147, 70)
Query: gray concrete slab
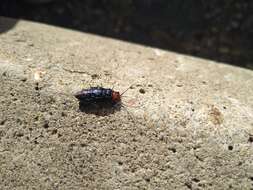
point(188, 122)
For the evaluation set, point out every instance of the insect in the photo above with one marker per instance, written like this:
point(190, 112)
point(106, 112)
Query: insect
point(99, 95)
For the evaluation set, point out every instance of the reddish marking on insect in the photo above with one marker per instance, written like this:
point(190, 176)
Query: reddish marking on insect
point(116, 97)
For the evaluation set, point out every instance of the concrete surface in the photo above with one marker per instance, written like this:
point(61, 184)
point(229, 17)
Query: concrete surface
point(188, 123)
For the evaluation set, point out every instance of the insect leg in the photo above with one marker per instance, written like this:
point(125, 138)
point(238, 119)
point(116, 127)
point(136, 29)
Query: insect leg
point(131, 116)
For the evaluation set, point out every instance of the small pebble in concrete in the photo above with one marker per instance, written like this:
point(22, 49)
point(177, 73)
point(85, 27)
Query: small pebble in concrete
point(94, 76)
point(250, 139)
point(2, 122)
point(230, 147)
point(36, 86)
point(173, 149)
point(46, 125)
point(142, 91)
point(54, 131)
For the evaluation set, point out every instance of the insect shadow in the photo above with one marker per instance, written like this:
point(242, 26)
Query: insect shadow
point(99, 109)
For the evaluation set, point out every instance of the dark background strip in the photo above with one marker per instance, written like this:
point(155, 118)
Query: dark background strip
point(220, 30)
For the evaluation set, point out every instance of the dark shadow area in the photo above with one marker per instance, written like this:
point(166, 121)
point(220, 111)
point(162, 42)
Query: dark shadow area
point(6, 24)
point(99, 109)
point(220, 30)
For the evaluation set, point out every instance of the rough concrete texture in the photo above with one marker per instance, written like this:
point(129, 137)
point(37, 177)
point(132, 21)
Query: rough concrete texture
point(189, 124)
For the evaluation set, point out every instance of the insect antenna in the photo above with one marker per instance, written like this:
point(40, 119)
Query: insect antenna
point(125, 90)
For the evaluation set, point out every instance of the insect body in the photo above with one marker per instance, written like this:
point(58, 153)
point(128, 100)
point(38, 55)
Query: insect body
point(98, 95)
point(99, 100)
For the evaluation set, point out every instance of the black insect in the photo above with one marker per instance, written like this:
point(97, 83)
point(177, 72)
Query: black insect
point(98, 97)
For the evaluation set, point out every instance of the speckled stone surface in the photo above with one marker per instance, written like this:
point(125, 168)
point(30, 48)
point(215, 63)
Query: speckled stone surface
point(187, 124)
